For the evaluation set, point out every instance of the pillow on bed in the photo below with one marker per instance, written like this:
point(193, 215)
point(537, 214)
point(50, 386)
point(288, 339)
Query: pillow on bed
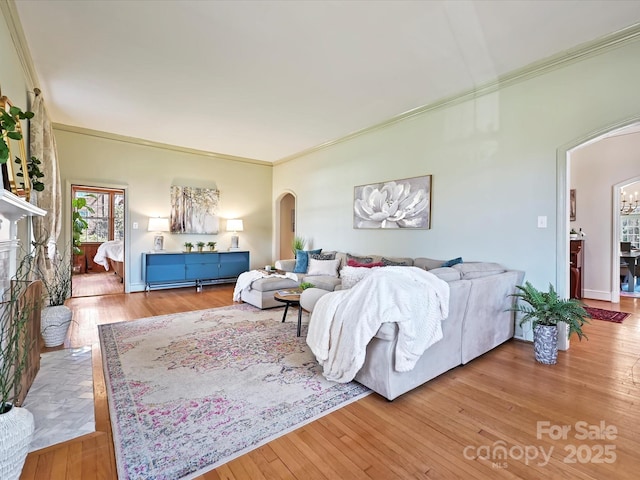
point(323, 267)
point(352, 275)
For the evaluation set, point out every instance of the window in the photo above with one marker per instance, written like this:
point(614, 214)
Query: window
point(630, 225)
point(104, 215)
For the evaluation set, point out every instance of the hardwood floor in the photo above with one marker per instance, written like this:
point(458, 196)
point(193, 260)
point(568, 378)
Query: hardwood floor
point(90, 284)
point(440, 430)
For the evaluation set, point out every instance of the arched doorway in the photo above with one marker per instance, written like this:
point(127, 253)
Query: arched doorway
point(286, 226)
point(564, 166)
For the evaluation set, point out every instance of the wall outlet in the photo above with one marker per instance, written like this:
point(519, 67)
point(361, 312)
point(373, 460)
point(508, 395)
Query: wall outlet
point(135, 225)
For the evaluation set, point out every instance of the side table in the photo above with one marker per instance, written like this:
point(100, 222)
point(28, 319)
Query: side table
point(290, 297)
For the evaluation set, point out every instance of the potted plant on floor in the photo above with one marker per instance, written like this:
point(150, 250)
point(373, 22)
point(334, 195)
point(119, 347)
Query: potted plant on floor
point(56, 317)
point(16, 423)
point(545, 310)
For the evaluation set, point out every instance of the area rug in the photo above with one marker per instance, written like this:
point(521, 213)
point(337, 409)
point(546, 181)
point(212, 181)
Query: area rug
point(191, 391)
point(607, 315)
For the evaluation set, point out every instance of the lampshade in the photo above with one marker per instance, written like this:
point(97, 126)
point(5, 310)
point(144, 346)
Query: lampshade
point(234, 225)
point(158, 224)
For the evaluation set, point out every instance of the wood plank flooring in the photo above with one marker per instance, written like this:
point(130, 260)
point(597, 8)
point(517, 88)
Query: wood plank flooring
point(100, 283)
point(449, 428)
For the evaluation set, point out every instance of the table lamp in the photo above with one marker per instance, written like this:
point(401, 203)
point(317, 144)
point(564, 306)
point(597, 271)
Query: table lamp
point(158, 225)
point(234, 225)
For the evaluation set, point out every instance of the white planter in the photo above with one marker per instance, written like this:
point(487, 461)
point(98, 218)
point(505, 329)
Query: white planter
point(54, 324)
point(16, 431)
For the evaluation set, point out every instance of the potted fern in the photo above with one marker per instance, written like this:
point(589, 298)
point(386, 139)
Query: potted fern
point(545, 310)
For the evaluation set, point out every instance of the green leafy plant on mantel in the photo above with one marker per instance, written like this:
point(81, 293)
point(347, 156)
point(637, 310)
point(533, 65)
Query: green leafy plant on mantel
point(34, 172)
point(8, 123)
point(548, 309)
point(211, 245)
point(79, 223)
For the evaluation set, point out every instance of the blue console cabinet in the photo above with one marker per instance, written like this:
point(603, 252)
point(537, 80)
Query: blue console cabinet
point(169, 269)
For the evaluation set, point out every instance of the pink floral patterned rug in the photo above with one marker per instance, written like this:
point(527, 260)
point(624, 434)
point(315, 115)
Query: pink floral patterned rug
point(191, 391)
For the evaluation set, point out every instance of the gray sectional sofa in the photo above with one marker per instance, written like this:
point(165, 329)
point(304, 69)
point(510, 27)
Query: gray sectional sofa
point(479, 319)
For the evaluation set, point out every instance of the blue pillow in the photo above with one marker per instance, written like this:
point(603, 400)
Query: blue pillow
point(452, 262)
point(302, 260)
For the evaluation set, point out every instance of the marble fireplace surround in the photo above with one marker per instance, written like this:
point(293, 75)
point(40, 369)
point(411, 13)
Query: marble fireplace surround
point(12, 210)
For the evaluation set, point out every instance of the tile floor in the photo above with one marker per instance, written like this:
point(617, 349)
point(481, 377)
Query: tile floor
point(61, 397)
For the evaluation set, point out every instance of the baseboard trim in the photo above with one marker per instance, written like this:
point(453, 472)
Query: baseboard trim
point(597, 295)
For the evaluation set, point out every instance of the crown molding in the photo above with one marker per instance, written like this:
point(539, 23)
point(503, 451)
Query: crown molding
point(14, 26)
point(164, 146)
point(555, 62)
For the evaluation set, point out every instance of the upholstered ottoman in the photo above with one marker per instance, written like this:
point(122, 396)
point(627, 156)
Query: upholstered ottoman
point(260, 293)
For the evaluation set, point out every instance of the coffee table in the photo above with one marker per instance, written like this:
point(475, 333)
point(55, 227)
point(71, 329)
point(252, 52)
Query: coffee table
point(290, 299)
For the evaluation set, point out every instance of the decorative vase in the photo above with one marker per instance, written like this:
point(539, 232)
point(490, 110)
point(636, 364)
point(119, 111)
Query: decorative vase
point(16, 431)
point(545, 344)
point(54, 324)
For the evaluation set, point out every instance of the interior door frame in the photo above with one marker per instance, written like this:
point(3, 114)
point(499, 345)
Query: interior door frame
point(563, 174)
point(277, 247)
point(127, 233)
point(615, 254)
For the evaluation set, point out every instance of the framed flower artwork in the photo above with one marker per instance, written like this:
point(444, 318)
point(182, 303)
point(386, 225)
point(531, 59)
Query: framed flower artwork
point(402, 203)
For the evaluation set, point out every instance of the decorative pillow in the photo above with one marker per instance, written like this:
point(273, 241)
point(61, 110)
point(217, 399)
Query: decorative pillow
point(323, 256)
point(452, 262)
point(323, 267)
point(359, 259)
point(479, 269)
point(353, 263)
point(427, 263)
point(302, 260)
point(352, 275)
point(391, 263)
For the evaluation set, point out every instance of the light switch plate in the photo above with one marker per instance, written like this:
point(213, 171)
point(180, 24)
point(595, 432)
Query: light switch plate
point(542, 221)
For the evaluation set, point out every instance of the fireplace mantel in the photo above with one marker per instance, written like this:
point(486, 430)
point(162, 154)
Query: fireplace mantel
point(12, 210)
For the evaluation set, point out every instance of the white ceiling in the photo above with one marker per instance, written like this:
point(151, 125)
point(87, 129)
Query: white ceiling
point(269, 79)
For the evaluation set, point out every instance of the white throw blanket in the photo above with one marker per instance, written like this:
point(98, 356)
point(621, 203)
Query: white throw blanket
point(113, 249)
point(343, 322)
point(245, 280)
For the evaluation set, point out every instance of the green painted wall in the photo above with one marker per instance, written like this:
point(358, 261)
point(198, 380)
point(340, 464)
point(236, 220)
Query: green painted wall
point(148, 173)
point(493, 161)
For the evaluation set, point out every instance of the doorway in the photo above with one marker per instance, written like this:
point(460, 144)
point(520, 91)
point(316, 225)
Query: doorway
point(286, 209)
point(98, 233)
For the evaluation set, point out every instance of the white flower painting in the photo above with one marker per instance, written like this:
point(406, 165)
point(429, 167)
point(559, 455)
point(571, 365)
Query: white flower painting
point(402, 203)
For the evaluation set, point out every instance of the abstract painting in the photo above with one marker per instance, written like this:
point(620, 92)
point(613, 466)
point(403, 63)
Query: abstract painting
point(402, 203)
point(194, 210)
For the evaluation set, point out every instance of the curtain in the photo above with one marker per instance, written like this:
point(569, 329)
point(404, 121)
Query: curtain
point(42, 145)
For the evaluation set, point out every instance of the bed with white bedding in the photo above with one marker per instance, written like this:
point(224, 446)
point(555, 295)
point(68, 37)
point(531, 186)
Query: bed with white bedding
point(111, 256)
